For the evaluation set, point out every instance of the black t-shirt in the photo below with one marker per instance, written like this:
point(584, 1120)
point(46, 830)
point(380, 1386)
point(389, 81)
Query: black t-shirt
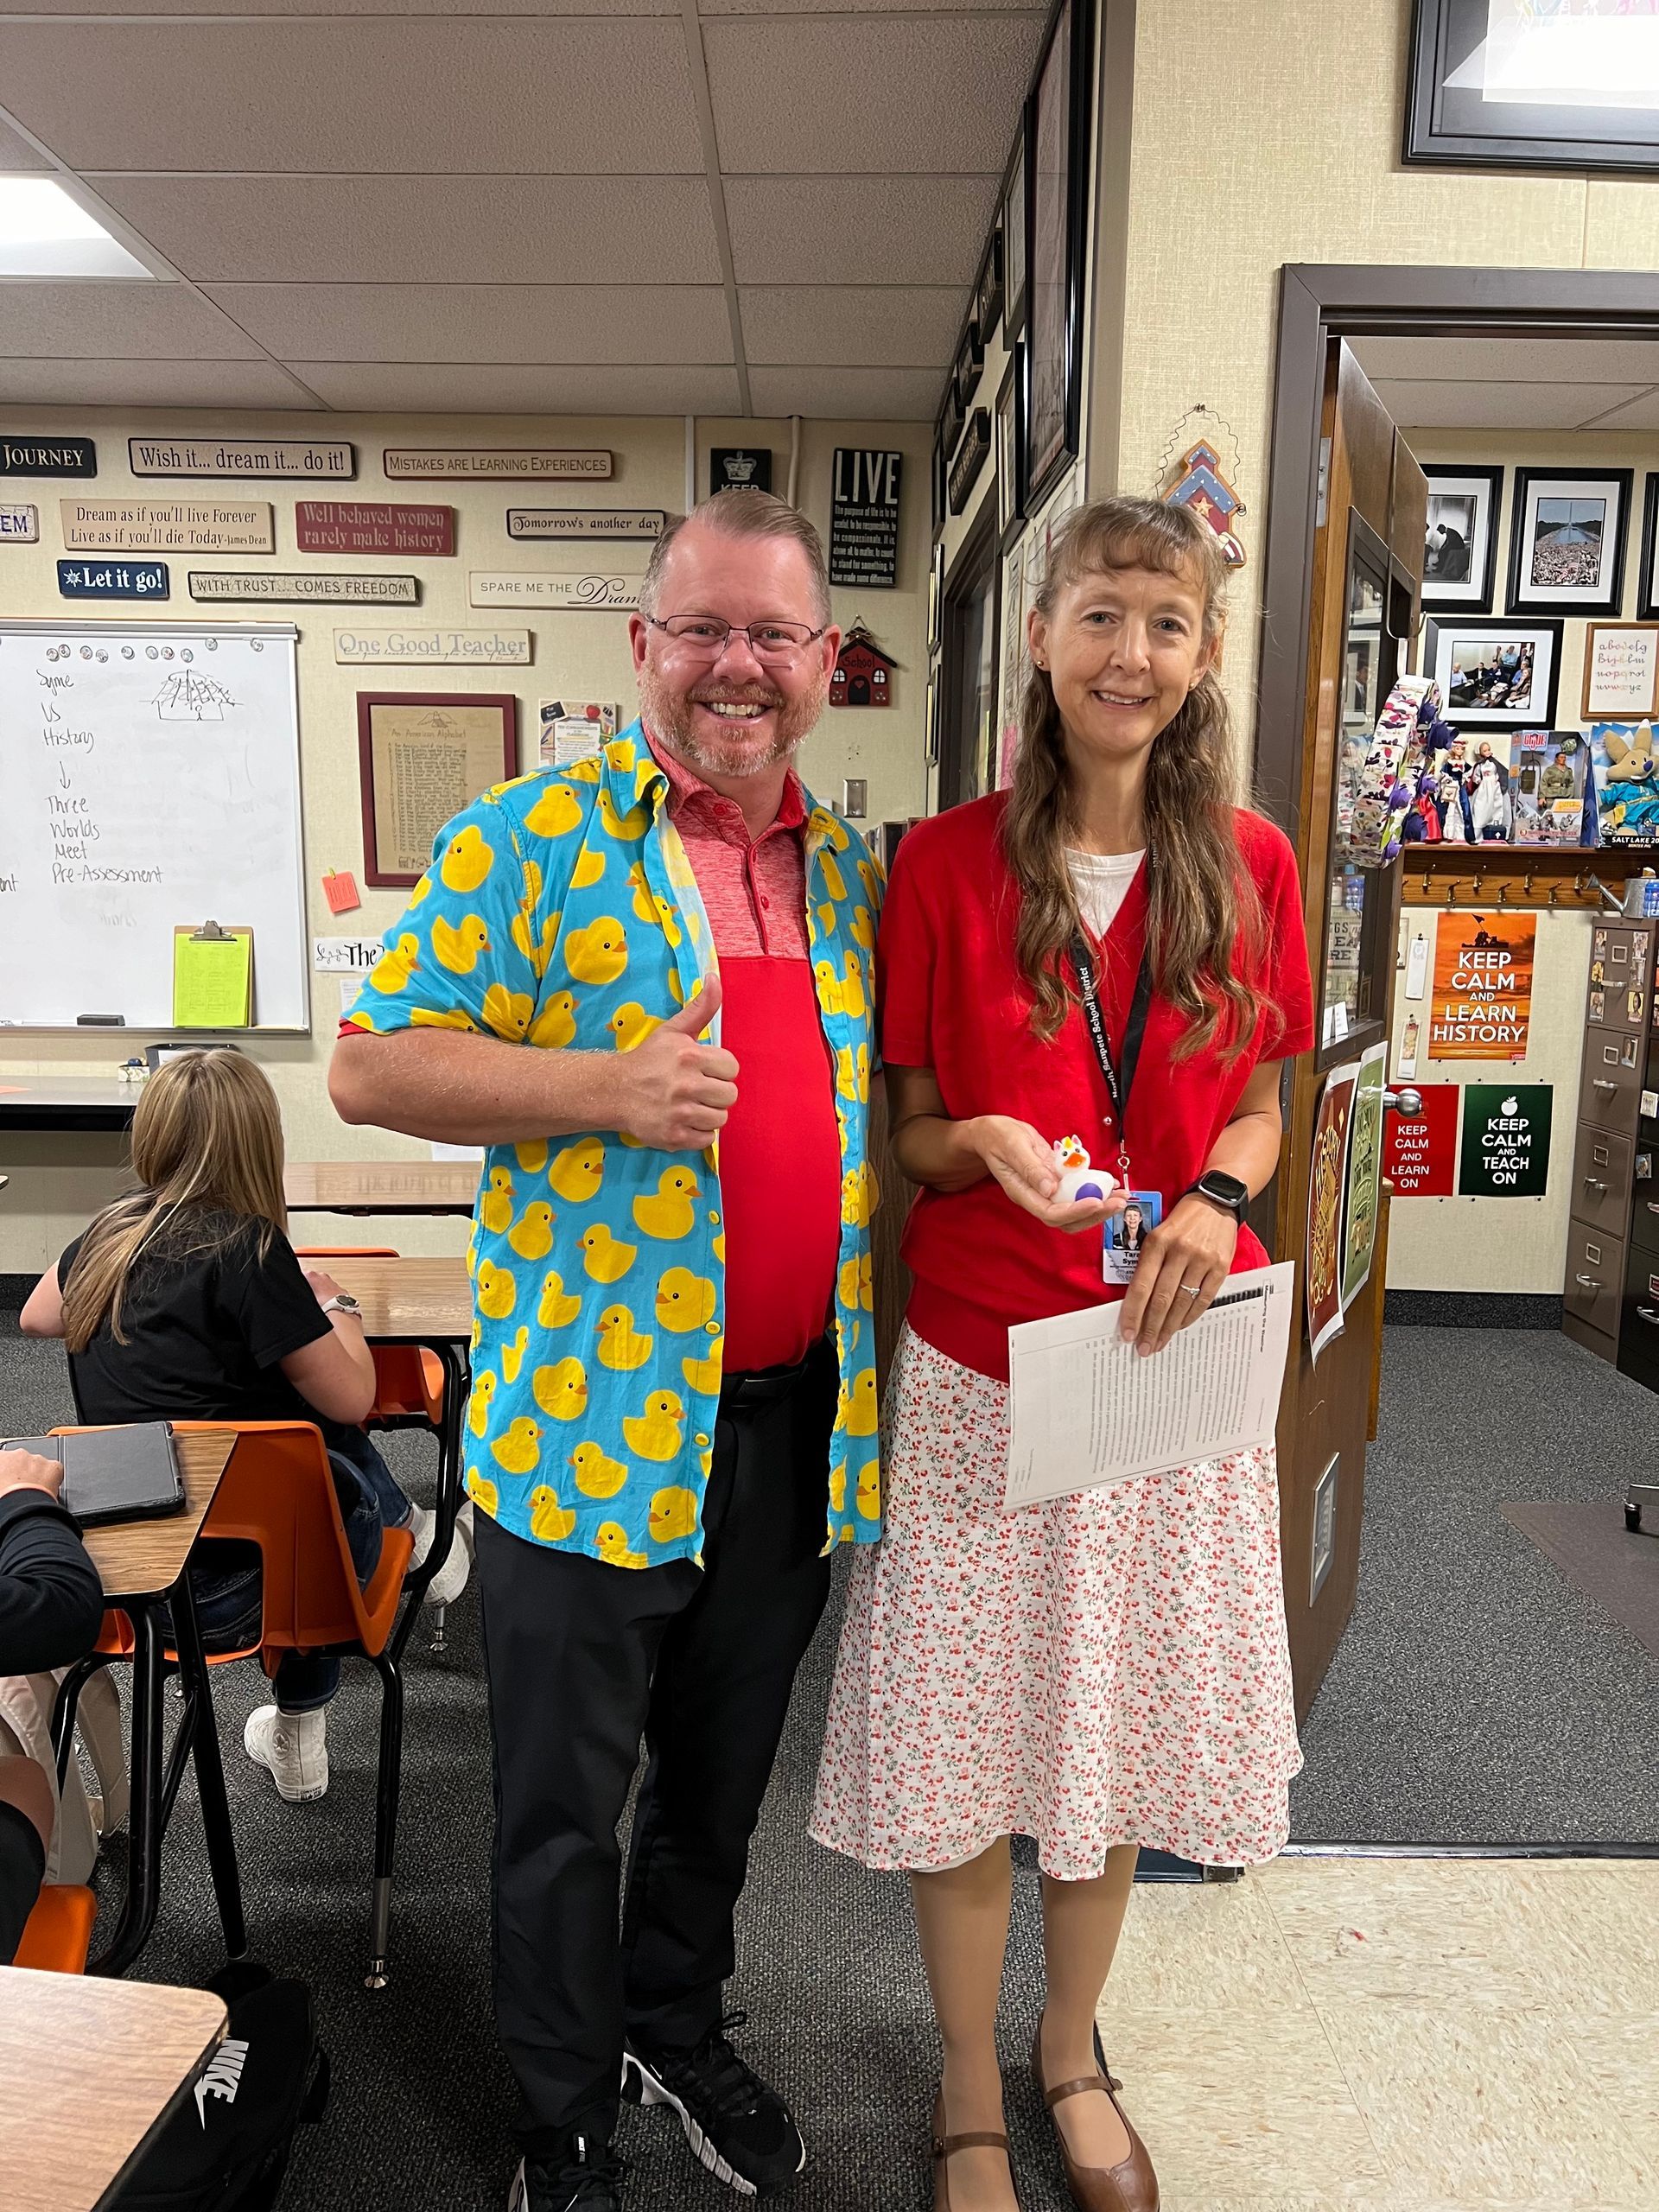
point(206, 1319)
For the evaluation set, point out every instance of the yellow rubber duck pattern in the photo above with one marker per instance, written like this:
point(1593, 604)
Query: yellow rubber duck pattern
point(561, 910)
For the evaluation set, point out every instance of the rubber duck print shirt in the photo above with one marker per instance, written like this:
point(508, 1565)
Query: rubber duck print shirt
point(561, 912)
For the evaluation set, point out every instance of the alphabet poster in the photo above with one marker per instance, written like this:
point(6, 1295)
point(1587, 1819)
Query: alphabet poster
point(1482, 1007)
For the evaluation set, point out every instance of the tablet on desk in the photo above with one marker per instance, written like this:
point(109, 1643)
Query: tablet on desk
point(114, 1474)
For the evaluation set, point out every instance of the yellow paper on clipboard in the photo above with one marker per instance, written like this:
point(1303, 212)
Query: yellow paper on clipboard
point(213, 980)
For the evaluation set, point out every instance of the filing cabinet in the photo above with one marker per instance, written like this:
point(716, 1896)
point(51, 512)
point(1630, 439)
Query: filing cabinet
point(1611, 1294)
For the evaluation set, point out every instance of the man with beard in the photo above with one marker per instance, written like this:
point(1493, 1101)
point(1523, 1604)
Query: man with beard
point(672, 1421)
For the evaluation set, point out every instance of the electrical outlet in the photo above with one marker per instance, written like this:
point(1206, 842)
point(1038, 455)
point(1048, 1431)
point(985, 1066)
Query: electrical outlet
point(854, 796)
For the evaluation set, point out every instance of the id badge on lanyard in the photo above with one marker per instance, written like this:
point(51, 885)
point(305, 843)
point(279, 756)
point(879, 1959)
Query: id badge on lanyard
point(1123, 1240)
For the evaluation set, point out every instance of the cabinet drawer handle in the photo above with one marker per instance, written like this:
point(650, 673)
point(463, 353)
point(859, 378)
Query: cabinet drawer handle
point(1646, 1313)
point(1602, 1082)
point(1595, 1183)
point(1588, 1282)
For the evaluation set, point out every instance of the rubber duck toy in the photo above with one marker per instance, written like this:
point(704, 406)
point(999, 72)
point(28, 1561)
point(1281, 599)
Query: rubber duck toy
point(1079, 1179)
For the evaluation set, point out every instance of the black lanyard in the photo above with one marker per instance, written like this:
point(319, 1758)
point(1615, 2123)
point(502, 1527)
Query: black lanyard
point(1117, 1087)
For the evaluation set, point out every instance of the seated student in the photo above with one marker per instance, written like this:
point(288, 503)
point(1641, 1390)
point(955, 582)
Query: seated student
point(184, 1300)
point(51, 1605)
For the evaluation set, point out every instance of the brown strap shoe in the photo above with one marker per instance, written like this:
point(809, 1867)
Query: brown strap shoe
point(946, 2146)
point(1129, 2186)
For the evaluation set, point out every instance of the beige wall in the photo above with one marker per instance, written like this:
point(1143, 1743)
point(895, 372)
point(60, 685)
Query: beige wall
point(1270, 133)
point(58, 1181)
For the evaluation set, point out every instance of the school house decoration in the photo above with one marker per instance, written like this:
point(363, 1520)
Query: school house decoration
point(863, 675)
point(1202, 487)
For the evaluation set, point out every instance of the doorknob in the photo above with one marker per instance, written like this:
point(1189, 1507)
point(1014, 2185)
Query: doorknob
point(1405, 1100)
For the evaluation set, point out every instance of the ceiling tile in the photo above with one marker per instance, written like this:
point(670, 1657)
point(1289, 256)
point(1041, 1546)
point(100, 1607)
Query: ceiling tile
point(420, 229)
point(475, 95)
point(485, 322)
point(945, 91)
point(836, 230)
point(117, 323)
point(420, 388)
point(16, 153)
point(1468, 406)
point(870, 326)
point(1640, 413)
point(148, 383)
point(1510, 359)
point(854, 395)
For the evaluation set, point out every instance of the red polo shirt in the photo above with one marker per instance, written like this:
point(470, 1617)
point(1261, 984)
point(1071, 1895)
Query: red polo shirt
point(781, 1150)
point(953, 998)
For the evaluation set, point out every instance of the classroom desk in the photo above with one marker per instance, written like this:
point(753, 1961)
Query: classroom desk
point(88, 2072)
point(67, 1102)
point(428, 1303)
point(388, 1186)
point(141, 1564)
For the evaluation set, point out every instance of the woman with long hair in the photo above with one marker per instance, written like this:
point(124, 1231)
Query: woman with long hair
point(184, 1300)
point(1112, 950)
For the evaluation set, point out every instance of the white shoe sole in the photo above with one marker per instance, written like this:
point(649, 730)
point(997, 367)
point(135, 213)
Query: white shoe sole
point(651, 2091)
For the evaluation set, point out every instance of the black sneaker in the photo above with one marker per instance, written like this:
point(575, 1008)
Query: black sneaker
point(584, 2178)
point(740, 2128)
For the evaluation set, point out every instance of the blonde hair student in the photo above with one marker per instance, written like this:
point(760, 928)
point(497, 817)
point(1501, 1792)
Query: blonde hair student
point(184, 1300)
point(1110, 959)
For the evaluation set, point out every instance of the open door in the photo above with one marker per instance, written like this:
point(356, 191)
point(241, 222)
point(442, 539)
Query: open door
point(1367, 586)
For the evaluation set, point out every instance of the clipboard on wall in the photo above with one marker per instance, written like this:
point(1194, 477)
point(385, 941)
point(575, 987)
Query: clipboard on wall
point(212, 977)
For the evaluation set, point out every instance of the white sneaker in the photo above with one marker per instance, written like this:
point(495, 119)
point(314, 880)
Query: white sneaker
point(294, 1747)
point(450, 1579)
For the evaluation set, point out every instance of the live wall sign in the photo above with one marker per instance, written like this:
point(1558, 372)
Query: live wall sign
point(47, 457)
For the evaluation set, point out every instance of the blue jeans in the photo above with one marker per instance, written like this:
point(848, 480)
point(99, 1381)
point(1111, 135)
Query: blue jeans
point(225, 1580)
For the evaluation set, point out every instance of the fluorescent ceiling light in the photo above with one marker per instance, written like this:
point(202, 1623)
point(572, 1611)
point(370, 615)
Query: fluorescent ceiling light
point(43, 232)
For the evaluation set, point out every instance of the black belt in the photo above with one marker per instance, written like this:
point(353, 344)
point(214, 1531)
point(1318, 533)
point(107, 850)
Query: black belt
point(758, 1386)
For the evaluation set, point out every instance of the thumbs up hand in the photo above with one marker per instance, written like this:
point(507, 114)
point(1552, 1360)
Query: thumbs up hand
point(676, 1093)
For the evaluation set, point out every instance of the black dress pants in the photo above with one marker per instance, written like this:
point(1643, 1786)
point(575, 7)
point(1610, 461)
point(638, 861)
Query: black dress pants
point(583, 1659)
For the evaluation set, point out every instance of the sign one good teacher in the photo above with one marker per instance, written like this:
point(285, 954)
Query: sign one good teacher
point(1481, 1008)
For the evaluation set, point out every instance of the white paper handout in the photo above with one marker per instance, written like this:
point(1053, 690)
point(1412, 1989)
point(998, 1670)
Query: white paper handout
point(1085, 1409)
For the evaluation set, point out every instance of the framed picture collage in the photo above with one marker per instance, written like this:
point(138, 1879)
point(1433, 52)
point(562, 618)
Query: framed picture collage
point(1524, 594)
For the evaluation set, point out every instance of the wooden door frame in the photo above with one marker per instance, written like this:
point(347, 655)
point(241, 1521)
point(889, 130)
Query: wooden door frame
point(1319, 301)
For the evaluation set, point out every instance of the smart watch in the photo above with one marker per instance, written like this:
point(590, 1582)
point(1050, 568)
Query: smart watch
point(341, 1302)
point(1223, 1190)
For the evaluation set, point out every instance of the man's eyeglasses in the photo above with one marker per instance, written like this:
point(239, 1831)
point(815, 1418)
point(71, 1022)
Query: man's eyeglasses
point(708, 637)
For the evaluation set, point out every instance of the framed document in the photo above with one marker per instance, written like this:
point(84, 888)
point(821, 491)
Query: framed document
point(1621, 671)
point(422, 756)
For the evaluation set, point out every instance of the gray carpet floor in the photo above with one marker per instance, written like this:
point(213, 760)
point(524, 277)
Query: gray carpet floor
point(1477, 1695)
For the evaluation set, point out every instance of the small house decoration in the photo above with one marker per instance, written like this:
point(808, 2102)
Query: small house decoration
point(863, 675)
point(1202, 487)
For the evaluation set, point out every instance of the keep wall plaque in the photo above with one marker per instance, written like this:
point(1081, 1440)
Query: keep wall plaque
point(588, 593)
point(408, 647)
point(19, 525)
point(239, 457)
point(168, 525)
point(503, 462)
point(561, 524)
point(47, 457)
point(224, 584)
point(372, 526)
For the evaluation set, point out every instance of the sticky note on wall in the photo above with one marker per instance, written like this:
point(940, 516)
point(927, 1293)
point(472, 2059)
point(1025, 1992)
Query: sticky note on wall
point(340, 889)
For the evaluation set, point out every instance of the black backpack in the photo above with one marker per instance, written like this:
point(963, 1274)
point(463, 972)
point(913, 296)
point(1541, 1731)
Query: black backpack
point(226, 2148)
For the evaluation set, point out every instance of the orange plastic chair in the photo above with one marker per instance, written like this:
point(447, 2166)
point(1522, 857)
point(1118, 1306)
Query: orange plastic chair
point(408, 1380)
point(58, 1933)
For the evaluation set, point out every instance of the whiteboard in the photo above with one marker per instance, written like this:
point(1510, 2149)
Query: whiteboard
point(149, 778)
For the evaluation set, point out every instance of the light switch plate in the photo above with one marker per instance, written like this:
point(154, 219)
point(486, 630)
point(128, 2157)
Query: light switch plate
point(854, 796)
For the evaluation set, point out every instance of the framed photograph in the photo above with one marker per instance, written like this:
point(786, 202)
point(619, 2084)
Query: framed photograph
point(1014, 240)
point(1621, 671)
point(1056, 166)
point(422, 757)
point(1647, 573)
point(1498, 675)
point(1512, 83)
point(1011, 448)
point(988, 289)
point(970, 366)
point(1566, 541)
point(1460, 538)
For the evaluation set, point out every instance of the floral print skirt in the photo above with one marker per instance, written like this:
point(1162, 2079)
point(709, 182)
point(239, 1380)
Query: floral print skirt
point(1106, 1668)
